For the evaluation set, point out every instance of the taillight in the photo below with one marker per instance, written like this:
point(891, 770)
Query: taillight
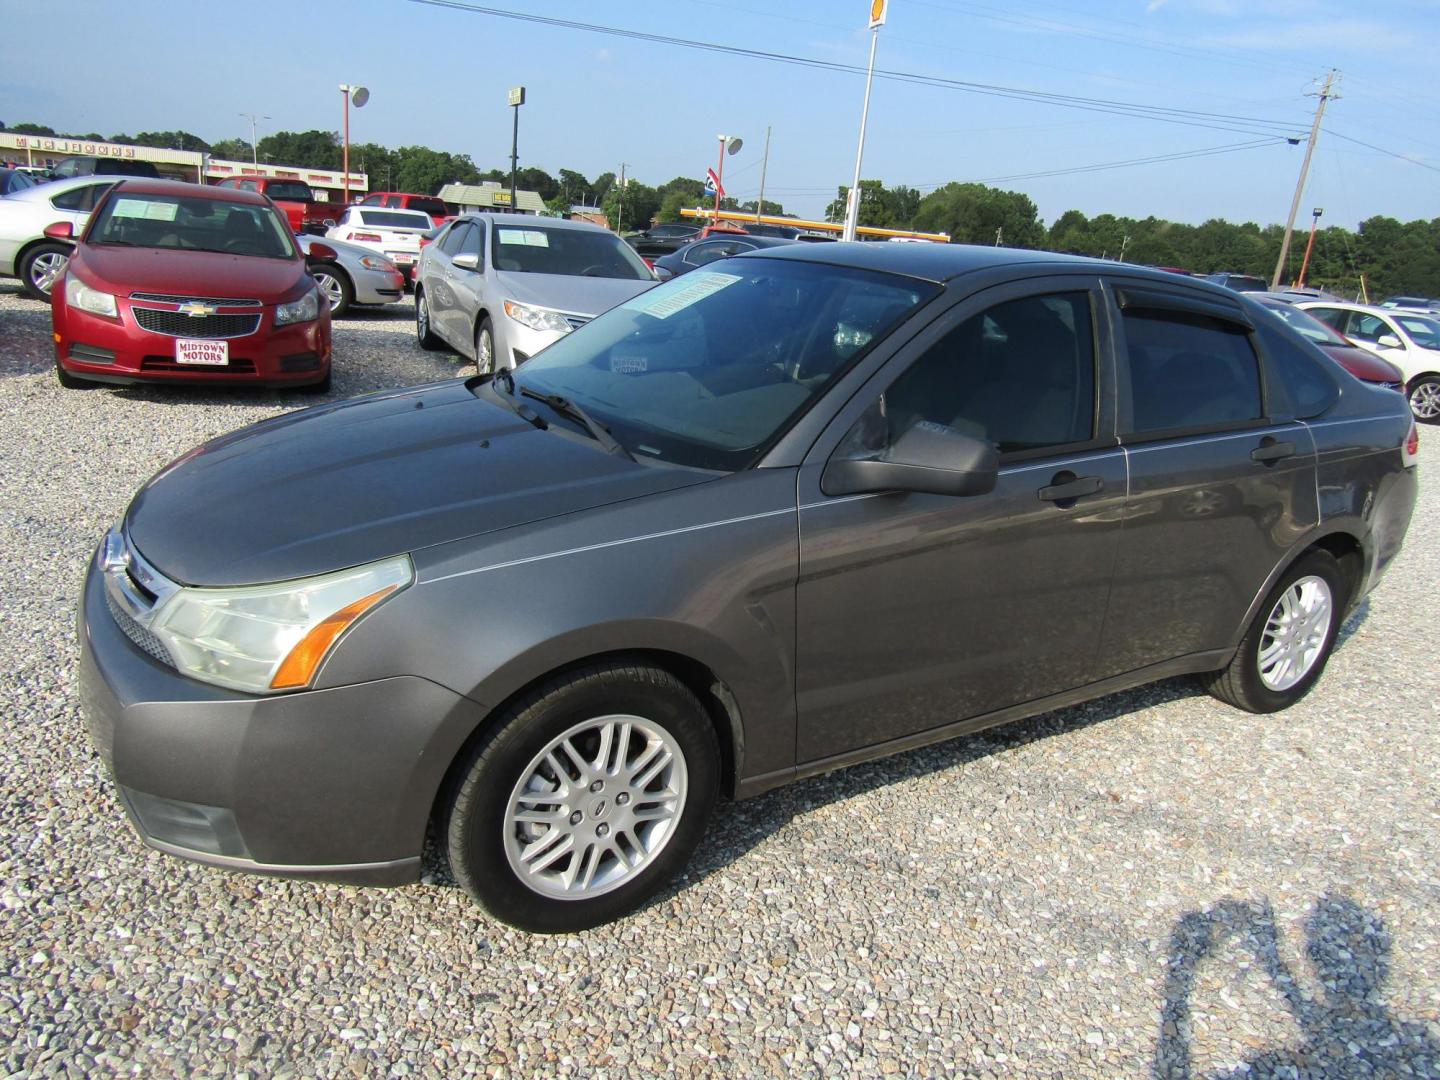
point(367, 237)
point(1410, 452)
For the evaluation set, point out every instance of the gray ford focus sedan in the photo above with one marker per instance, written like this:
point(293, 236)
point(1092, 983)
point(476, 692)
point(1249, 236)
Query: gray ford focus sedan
point(791, 512)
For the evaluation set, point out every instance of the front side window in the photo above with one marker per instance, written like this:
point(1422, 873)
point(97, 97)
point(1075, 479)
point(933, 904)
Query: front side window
point(525, 248)
point(180, 223)
point(451, 241)
point(1020, 375)
point(473, 243)
point(1362, 326)
point(1189, 371)
point(708, 368)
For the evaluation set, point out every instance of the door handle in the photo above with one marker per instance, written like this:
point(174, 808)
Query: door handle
point(1270, 451)
point(1066, 487)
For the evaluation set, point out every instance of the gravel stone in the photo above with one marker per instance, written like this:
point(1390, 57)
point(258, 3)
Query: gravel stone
point(1150, 885)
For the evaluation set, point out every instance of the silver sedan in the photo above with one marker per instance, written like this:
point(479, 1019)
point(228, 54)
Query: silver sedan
point(358, 276)
point(25, 251)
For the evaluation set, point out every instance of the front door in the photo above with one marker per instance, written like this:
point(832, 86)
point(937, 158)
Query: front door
point(916, 611)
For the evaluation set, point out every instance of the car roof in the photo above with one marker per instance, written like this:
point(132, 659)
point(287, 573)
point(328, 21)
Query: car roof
point(51, 188)
point(532, 221)
point(140, 185)
point(940, 262)
point(404, 194)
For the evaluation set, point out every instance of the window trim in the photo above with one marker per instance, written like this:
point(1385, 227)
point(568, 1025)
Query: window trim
point(1139, 298)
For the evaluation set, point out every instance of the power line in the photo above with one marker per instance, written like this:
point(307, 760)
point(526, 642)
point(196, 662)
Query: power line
point(1104, 166)
point(1382, 150)
point(1163, 114)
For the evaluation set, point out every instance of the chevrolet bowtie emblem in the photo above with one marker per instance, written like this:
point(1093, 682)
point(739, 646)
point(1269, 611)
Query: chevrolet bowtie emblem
point(196, 311)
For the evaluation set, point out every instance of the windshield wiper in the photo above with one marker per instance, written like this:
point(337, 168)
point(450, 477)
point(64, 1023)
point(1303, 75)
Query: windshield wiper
point(529, 415)
point(566, 407)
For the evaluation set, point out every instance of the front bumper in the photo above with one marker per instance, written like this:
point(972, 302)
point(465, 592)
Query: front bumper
point(120, 351)
point(333, 785)
point(515, 343)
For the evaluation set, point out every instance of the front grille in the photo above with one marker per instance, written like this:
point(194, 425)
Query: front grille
point(212, 301)
point(577, 321)
point(167, 363)
point(178, 324)
point(143, 639)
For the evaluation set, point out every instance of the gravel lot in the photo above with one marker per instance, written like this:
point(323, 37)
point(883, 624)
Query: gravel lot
point(1150, 885)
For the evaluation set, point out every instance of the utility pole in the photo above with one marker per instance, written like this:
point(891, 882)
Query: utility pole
point(1000, 236)
point(1326, 93)
point(1124, 243)
point(852, 203)
point(620, 214)
point(253, 118)
point(764, 165)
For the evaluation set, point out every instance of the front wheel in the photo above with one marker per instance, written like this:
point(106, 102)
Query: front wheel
point(585, 800)
point(1289, 642)
point(336, 287)
point(484, 348)
point(1424, 394)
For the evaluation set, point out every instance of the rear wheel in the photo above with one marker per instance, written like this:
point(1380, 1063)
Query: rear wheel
point(1289, 642)
point(424, 335)
point(1424, 395)
point(40, 269)
point(585, 800)
point(484, 347)
point(336, 287)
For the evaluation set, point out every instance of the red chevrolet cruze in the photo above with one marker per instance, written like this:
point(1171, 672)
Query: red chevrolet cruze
point(174, 282)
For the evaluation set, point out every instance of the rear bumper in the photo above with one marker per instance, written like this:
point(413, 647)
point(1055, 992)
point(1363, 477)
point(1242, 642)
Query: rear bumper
point(333, 785)
point(120, 351)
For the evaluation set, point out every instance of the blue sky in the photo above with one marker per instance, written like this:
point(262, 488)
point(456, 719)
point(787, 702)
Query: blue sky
point(438, 77)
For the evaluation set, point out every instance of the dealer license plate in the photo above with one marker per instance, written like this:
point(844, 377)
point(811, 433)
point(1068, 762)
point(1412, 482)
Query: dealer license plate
point(195, 351)
point(400, 258)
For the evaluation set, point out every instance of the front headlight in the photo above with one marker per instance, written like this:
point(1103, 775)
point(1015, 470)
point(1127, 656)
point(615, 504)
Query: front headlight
point(378, 262)
point(306, 309)
point(82, 296)
point(537, 318)
point(263, 638)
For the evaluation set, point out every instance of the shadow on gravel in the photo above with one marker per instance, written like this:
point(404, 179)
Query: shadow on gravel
point(1352, 623)
point(1347, 1033)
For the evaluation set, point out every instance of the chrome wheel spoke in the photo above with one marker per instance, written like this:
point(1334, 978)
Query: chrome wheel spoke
point(1295, 633)
point(660, 760)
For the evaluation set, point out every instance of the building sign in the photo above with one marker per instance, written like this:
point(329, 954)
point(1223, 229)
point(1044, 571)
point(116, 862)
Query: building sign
point(517, 95)
point(52, 148)
point(500, 198)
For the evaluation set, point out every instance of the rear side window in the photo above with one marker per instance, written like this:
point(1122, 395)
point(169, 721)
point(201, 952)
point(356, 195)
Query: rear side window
point(1301, 378)
point(82, 199)
point(1189, 371)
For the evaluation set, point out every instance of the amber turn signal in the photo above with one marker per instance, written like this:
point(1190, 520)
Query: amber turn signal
point(299, 667)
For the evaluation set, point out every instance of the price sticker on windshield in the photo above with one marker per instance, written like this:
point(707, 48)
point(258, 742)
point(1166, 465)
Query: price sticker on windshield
point(698, 285)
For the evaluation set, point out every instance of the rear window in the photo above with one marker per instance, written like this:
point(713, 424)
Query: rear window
point(295, 192)
point(1189, 371)
point(394, 219)
point(433, 207)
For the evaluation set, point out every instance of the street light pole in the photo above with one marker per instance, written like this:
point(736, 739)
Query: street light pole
point(878, 11)
point(254, 153)
point(1310, 246)
point(517, 98)
point(764, 167)
point(359, 95)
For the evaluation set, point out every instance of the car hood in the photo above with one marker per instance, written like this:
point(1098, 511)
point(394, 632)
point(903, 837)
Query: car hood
point(1364, 365)
point(344, 484)
point(567, 292)
point(126, 270)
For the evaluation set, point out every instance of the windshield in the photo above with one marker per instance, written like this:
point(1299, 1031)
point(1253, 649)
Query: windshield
point(534, 249)
point(289, 190)
point(1424, 332)
point(1307, 325)
point(395, 219)
point(708, 369)
point(180, 223)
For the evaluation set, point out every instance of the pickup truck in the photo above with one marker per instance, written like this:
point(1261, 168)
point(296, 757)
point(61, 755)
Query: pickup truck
point(306, 213)
point(404, 200)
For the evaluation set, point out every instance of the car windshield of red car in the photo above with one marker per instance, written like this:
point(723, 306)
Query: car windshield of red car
point(178, 223)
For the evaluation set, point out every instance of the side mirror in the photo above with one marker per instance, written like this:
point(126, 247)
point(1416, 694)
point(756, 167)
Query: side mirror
point(61, 230)
point(466, 261)
point(321, 253)
point(928, 458)
point(1385, 341)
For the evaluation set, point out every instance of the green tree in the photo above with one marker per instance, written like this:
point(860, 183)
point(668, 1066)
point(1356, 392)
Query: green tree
point(231, 149)
point(641, 203)
point(574, 188)
point(601, 187)
point(972, 214)
point(170, 140)
point(29, 129)
point(306, 149)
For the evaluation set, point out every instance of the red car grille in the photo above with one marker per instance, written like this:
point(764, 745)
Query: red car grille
point(167, 364)
point(212, 301)
point(178, 324)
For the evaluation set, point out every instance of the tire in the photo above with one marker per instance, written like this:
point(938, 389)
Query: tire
point(336, 286)
point(40, 268)
point(72, 382)
point(1424, 397)
point(507, 864)
point(321, 387)
point(1314, 582)
point(424, 335)
point(484, 347)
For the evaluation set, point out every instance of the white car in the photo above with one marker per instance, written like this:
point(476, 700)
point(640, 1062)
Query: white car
point(392, 233)
point(1409, 340)
point(25, 251)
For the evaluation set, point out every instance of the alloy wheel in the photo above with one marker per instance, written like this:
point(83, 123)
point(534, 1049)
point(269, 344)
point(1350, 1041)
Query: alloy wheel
point(1425, 400)
point(1295, 633)
point(484, 352)
point(330, 286)
point(595, 807)
point(422, 317)
point(46, 269)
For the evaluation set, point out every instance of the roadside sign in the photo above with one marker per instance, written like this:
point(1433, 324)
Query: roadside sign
point(878, 10)
point(517, 94)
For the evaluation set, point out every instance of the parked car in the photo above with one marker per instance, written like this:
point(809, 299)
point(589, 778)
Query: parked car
point(1413, 303)
point(14, 180)
point(355, 276)
point(1408, 340)
point(1364, 365)
point(498, 288)
point(661, 239)
point(295, 198)
point(404, 200)
point(703, 252)
point(81, 165)
point(180, 283)
point(830, 503)
point(396, 234)
point(25, 251)
point(1239, 282)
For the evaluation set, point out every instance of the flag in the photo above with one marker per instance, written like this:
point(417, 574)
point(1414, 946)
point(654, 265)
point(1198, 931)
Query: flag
point(712, 183)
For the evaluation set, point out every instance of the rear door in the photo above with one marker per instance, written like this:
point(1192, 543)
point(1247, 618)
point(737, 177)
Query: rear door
point(916, 611)
point(1222, 477)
